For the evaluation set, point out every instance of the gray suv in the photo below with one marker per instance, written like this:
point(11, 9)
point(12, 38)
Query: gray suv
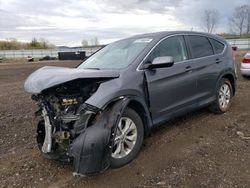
point(96, 115)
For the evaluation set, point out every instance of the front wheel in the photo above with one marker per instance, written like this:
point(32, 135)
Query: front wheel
point(128, 139)
point(224, 95)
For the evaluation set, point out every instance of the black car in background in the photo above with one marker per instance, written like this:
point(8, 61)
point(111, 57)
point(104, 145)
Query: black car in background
point(97, 114)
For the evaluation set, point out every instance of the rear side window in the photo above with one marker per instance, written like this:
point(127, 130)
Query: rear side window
point(201, 46)
point(172, 46)
point(218, 46)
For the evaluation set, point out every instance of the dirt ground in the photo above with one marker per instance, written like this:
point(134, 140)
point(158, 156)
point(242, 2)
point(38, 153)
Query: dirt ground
point(198, 150)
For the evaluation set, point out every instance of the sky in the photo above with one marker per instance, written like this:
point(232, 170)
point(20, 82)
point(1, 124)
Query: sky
point(68, 22)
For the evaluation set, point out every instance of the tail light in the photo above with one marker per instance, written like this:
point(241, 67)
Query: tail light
point(245, 60)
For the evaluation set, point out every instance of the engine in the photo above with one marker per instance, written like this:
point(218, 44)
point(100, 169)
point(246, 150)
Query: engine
point(63, 116)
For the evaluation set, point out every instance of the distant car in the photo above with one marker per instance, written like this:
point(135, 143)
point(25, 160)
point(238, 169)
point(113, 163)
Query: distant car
point(245, 65)
point(98, 113)
point(30, 58)
point(47, 58)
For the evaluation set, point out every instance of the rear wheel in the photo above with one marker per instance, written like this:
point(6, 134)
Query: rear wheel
point(128, 139)
point(223, 97)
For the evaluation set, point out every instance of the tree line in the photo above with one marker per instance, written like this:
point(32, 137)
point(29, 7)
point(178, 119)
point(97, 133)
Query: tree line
point(14, 44)
point(239, 21)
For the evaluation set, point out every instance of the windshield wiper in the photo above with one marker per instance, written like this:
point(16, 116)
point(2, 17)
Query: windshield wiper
point(93, 68)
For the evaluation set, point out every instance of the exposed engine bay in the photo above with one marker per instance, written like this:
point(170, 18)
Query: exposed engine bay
point(63, 116)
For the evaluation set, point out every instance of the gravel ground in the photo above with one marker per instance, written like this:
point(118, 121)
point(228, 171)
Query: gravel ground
point(199, 149)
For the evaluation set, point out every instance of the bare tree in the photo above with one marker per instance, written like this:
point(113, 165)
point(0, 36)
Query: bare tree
point(210, 19)
point(44, 43)
point(85, 43)
point(94, 41)
point(248, 18)
point(34, 43)
point(240, 19)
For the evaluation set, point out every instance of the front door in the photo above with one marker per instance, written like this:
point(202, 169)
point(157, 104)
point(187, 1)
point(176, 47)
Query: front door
point(174, 88)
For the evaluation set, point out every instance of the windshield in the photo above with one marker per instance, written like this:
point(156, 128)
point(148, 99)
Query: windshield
point(117, 55)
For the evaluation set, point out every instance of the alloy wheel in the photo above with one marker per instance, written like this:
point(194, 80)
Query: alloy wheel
point(125, 139)
point(224, 96)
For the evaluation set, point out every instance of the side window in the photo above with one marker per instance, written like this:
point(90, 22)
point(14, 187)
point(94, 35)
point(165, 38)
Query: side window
point(218, 46)
point(173, 46)
point(201, 46)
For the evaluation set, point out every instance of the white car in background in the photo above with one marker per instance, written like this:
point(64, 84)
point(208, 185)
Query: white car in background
point(245, 65)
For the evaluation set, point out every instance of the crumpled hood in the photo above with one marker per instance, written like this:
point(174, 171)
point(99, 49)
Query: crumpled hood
point(50, 76)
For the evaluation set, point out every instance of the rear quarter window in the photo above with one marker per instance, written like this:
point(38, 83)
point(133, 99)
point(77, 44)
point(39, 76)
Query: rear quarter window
point(218, 46)
point(201, 47)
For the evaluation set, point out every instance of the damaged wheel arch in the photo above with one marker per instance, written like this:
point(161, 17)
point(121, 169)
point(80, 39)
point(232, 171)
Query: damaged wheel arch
point(140, 106)
point(92, 149)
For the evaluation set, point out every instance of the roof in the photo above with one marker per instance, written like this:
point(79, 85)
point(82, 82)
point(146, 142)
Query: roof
point(158, 35)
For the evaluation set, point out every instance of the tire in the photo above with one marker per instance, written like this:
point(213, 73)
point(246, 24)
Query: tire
point(119, 159)
point(217, 107)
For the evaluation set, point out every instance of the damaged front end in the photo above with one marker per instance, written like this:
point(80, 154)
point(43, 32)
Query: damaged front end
point(71, 130)
point(64, 115)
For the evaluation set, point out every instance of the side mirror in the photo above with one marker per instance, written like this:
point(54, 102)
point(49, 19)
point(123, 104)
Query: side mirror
point(161, 62)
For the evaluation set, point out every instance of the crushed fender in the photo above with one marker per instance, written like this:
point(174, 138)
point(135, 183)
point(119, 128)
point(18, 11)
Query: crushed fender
point(92, 149)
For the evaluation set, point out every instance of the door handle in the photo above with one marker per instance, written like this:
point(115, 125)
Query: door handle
point(217, 61)
point(188, 69)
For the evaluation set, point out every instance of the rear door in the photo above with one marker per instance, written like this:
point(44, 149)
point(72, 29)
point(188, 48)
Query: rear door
point(207, 63)
point(170, 89)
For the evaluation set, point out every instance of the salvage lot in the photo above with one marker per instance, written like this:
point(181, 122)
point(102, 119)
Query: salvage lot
point(198, 150)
